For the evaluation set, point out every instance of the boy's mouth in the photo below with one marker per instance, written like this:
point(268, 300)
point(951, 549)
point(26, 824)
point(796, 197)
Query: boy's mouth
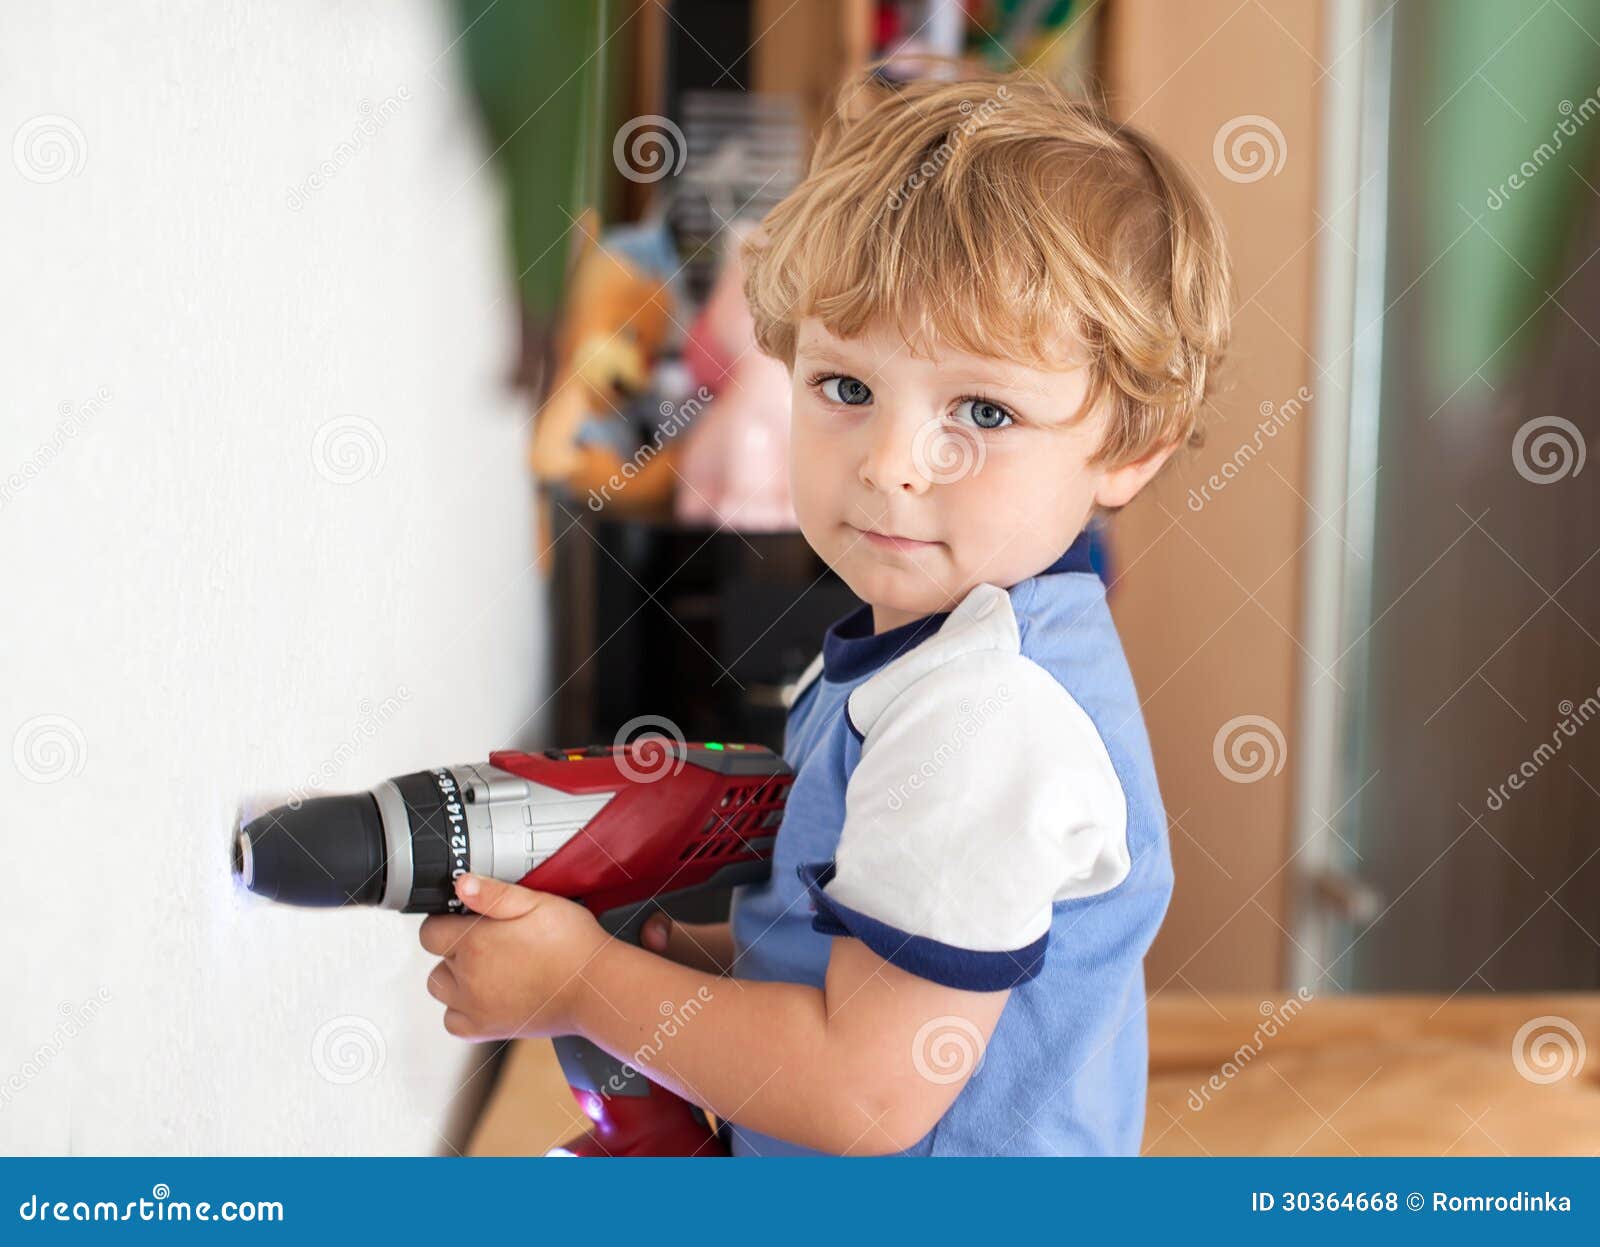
point(890, 541)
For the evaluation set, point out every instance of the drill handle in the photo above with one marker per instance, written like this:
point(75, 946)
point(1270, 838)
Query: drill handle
point(631, 1115)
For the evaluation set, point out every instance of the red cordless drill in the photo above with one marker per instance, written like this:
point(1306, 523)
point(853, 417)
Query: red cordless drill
point(624, 829)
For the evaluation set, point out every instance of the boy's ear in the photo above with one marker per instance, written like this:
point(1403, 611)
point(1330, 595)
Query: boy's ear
point(1119, 486)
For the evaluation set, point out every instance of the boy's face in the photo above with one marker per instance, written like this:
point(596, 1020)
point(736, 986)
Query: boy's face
point(918, 479)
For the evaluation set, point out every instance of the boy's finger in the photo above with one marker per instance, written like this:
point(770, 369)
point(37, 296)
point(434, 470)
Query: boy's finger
point(495, 899)
point(655, 933)
point(441, 932)
point(442, 983)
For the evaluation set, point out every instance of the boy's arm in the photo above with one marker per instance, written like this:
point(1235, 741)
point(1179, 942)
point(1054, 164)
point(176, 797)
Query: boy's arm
point(866, 1064)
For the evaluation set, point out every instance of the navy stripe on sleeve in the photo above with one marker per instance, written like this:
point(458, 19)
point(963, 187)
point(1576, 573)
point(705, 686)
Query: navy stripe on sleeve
point(962, 968)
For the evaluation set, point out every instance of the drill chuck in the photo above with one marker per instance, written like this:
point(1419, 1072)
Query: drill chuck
point(401, 844)
point(328, 851)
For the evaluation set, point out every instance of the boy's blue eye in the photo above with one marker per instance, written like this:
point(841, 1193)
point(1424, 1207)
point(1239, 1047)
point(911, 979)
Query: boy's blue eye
point(846, 390)
point(983, 414)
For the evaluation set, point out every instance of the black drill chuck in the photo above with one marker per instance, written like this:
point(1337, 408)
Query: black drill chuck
point(328, 851)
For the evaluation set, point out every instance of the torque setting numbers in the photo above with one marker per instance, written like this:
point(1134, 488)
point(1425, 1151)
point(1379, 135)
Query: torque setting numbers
point(456, 840)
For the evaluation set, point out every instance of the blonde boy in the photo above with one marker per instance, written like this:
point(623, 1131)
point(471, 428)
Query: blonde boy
point(1002, 312)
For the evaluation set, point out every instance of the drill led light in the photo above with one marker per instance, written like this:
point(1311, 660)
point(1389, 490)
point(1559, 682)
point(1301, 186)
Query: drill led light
point(712, 744)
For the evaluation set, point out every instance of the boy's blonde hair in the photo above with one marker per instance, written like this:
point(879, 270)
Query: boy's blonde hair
point(994, 214)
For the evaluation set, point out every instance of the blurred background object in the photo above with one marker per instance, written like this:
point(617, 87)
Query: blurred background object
point(1471, 590)
point(544, 142)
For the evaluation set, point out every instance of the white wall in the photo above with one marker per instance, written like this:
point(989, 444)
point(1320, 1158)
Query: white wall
point(196, 607)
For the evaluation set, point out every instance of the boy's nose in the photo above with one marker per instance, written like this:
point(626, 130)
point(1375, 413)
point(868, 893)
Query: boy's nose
point(890, 463)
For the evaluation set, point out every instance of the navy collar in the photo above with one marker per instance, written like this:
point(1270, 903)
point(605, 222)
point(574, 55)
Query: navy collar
point(851, 649)
point(1076, 558)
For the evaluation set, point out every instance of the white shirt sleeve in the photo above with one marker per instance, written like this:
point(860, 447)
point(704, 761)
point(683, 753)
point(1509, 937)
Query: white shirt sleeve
point(983, 795)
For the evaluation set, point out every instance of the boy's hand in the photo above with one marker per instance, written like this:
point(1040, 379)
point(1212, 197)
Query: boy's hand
point(704, 946)
point(514, 970)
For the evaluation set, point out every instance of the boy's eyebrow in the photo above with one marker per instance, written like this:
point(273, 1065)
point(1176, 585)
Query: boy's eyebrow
point(826, 354)
point(996, 380)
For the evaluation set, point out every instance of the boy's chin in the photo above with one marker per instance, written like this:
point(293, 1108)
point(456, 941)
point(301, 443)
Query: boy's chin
point(905, 592)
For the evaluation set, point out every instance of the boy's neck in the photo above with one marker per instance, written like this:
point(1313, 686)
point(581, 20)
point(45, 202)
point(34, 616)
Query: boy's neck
point(885, 618)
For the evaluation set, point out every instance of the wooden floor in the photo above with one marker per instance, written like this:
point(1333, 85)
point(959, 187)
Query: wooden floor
point(1339, 1076)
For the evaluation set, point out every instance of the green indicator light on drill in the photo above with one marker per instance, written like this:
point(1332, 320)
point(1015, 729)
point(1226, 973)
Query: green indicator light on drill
point(712, 744)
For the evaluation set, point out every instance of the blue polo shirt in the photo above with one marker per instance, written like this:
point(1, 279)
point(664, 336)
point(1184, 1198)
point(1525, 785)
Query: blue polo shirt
point(974, 799)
